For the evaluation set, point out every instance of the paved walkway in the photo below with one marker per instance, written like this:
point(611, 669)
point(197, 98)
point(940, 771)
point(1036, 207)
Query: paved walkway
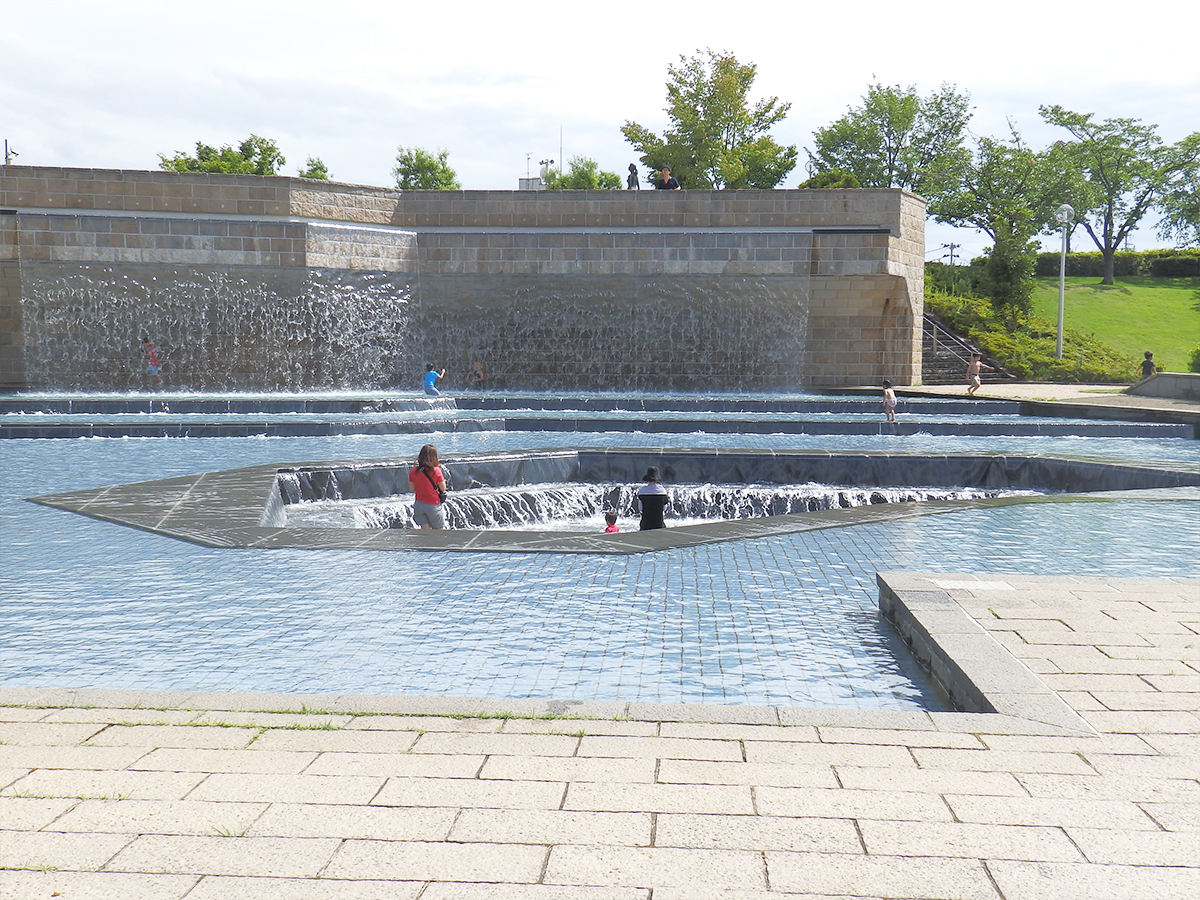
point(1096, 396)
point(158, 797)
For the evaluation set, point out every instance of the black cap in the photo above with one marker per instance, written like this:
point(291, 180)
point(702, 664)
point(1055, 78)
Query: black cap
point(651, 474)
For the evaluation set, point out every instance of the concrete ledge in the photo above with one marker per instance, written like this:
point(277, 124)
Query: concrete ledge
point(972, 666)
point(1172, 385)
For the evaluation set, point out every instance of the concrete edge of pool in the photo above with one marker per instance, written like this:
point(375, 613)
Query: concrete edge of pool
point(991, 689)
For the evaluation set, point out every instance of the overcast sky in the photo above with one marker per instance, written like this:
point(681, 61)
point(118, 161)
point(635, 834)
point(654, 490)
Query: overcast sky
point(112, 84)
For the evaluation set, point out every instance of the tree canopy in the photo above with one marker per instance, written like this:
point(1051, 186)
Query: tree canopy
point(715, 139)
point(1010, 193)
point(584, 175)
point(253, 156)
point(831, 178)
point(1127, 169)
point(314, 167)
point(898, 140)
point(1181, 198)
point(419, 170)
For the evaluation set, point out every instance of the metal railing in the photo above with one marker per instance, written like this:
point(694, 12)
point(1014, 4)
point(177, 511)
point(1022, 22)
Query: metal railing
point(933, 329)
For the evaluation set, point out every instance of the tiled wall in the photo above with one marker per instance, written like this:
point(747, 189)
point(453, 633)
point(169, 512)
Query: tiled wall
point(852, 263)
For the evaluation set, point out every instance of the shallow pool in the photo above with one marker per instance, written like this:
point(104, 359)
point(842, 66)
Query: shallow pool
point(785, 620)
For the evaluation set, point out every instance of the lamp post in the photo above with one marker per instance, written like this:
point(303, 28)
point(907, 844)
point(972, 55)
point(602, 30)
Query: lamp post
point(1064, 215)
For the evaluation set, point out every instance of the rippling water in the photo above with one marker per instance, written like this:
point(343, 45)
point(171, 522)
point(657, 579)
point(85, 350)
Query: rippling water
point(782, 620)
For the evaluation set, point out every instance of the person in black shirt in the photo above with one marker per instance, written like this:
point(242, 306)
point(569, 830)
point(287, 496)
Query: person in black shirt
point(667, 182)
point(1148, 366)
point(651, 501)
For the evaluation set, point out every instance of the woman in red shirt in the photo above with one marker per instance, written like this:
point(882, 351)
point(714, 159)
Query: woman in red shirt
point(429, 484)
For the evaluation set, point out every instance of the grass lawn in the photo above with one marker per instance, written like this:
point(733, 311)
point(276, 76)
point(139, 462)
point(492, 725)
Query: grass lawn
point(1136, 314)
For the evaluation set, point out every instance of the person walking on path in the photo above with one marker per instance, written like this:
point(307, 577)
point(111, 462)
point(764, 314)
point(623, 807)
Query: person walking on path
point(889, 401)
point(651, 501)
point(429, 484)
point(974, 373)
point(431, 379)
point(1148, 366)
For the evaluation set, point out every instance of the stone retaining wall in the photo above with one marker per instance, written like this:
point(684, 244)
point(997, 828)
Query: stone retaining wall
point(691, 290)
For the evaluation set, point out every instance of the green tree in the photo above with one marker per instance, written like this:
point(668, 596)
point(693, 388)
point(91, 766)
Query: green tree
point(897, 140)
point(1128, 172)
point(419, 170)
point(584, 175)
point(1010, 193)
point(314, 167)
point(831, 178)
point(253, 156)
point(715, 140)
point(1181, 199)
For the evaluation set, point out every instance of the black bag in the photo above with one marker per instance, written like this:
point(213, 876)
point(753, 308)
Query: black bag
point(441, 494)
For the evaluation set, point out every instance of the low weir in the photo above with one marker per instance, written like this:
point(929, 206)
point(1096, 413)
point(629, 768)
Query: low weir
point(573, 506)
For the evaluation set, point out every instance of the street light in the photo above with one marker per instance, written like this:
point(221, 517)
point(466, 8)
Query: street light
point(1064, 214)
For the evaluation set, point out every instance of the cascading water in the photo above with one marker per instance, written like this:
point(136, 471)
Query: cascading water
point(216, 329)
point(571, 506)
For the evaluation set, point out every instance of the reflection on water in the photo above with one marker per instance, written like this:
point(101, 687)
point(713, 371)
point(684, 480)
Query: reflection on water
point(786, 620)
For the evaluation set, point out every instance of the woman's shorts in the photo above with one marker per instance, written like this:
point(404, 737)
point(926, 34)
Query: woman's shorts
point(430, 514)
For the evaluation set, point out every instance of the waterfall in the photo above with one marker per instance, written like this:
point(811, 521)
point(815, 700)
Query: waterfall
point(215, 328)
point(572, 506)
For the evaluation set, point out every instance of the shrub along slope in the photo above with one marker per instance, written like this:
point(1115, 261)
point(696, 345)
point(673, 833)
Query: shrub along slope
point(1107, 327)
point(1135, 314)
point(1026, 345)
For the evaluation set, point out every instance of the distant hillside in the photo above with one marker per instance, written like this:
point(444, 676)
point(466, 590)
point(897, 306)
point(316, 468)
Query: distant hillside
point(1136, 314)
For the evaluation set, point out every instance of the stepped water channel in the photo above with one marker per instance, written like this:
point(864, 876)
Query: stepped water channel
point(761, 615)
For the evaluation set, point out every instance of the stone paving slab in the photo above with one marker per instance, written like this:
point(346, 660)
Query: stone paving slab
point(36, 885)
point(227, 888)
point(158, 817)
point(218, 855)
point(141, 797)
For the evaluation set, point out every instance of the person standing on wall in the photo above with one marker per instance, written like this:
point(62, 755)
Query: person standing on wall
point(889, 401)
point(429, 484)
point(651, 501)
point(667, 182)
point(431, 379)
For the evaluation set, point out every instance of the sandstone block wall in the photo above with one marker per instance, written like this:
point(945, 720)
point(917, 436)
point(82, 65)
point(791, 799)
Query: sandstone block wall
point(749, 290)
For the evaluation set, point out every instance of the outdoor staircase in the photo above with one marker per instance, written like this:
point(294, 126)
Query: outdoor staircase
point(945, 356)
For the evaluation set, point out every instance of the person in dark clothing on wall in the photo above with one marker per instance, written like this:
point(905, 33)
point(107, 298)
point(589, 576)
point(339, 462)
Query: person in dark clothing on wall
point(651, 501)
point(667, 182)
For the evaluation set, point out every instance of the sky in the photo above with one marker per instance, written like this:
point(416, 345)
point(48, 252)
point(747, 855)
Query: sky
point(503, 84)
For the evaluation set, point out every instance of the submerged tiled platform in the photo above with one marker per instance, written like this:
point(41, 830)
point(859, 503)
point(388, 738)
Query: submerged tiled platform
point(242, 507)
point(154, 796)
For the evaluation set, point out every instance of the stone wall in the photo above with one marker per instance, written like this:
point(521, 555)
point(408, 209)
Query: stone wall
point(690, 290)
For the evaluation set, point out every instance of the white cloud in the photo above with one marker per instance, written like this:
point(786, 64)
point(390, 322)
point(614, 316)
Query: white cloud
point(113, 84)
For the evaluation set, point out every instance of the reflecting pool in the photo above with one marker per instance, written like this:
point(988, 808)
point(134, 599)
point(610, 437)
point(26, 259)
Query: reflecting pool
point(782, 620)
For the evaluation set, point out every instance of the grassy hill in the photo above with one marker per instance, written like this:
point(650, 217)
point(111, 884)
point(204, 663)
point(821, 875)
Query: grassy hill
point(1136, 314)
